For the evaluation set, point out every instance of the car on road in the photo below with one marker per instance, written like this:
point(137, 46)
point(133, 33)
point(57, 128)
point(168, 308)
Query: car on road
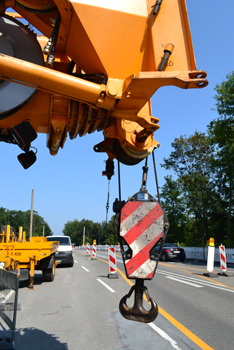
point(171, 251)
point(64, 255)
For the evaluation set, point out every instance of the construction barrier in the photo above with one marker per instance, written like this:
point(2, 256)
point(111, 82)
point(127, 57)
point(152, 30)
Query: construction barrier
point(112, 263)
point(88, 249)
point(94, 250)
point(223, 263)
point(210, 259)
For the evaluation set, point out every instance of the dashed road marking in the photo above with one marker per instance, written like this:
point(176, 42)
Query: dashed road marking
point(85, 268)
point(104, 284)
point(164, 335)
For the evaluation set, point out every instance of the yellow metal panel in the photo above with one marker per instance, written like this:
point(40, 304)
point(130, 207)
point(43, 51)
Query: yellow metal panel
point(118, 32)
point(171, 26)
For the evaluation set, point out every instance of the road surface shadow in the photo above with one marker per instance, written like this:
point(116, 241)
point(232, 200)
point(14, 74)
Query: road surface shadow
point(36, 339)
point(103, 276)
point(38, 280)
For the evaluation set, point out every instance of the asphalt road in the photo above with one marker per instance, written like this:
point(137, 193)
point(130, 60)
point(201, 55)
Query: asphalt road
point(79, 310)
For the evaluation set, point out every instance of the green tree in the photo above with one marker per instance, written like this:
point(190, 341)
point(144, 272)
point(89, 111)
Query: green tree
point(191, 161)
point(173, 203)
point(101, 232)
point(110, 232)
point(221, 133)
point(75, 230)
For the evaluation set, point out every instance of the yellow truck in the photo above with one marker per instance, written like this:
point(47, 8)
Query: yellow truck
point(25, 257)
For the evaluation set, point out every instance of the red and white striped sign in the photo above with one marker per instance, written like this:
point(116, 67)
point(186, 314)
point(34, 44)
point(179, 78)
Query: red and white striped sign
point(88, 249)
point(142, 226)
point(106, 247)
point(94, 249)
point(119, 248)
point(99, 247)
point(112, 260)
point(223, 262)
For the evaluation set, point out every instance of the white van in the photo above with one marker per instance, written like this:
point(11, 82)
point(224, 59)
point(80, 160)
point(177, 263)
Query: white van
point(64, 254)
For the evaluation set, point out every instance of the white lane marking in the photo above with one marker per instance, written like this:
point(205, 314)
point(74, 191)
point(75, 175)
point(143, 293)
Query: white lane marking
point(7, 296)
point(186, 277)
point(104, 284)
point(85, 268)
point(164, 335)
point(207, 283)
point(186, 282)
point(76, 261)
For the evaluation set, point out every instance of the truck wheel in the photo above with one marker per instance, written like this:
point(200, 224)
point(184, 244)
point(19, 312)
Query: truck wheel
point(48, 274)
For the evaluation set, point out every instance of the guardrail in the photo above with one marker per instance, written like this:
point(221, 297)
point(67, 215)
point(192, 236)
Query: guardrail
point(194, 253)
point(198, 253)
point(9, 284)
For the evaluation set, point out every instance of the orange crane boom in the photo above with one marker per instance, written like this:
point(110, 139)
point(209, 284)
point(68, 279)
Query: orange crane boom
point(95, 67)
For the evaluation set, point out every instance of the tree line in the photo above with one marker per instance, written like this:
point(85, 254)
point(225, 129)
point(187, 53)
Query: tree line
point(85, 231)
point(18, 218)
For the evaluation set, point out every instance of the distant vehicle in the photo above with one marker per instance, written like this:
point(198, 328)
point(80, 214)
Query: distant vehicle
point(64, 255)
point(171, 251)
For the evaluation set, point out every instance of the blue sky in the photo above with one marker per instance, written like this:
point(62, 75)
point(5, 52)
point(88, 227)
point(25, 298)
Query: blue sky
point(71, 186)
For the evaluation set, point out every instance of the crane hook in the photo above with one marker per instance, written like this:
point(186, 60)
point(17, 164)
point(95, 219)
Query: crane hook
point(138, 312)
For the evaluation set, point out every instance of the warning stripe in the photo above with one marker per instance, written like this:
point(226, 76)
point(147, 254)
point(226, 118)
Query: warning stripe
point(140, 258)
point(145, 270)
point(223, 257)
point(128, 210)
point(112, 259)
point(150, 233)
point(150, 275)
point(143, 224)
point(94, 250)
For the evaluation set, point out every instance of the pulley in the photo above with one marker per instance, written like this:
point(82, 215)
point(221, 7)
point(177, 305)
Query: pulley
point(18, 41)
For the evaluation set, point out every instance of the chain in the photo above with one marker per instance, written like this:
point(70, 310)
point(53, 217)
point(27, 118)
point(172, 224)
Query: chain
point(156, 178)
point(107, 203)
point(107, 208)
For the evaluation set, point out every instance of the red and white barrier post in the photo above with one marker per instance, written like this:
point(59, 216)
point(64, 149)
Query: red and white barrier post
point(223, 262)
point(112, 263)
point(88, 249)
point(119, 248)
point(94, 253)
point(106, 247)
